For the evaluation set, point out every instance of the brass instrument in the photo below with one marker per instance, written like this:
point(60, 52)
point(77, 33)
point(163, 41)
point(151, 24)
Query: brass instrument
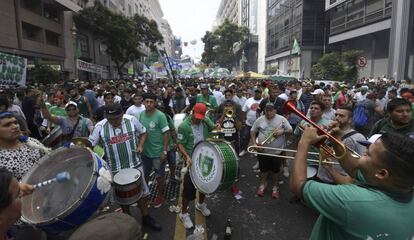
point(290, 106)
point(229, 112)
point(270, 138)
point(254, 149)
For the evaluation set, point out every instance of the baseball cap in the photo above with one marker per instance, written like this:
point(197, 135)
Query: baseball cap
point(113, 110)
point(199, 111)
point(257, 90)
point(203, 85)
point(370, 140)
point(109, 226)
point(318, 91)
point(269, 105)
point(71, 103)
point(108, 93)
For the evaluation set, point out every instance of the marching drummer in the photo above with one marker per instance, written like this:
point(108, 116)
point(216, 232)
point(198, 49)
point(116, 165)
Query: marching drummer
point(122, 137)
point(193, 130)
point(74, 125)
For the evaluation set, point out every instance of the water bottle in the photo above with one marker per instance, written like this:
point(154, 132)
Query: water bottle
point(227, 233)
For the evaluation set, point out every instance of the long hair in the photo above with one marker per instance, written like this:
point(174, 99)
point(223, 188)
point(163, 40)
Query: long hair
point(5, 180)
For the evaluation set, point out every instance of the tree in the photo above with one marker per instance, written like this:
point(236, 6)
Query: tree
point(337, 66)
point(219, 45)
point(123, 36)
point(44, 74)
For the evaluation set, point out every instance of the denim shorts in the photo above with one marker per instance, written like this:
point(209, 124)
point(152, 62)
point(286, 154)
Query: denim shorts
point(155, 164)
point(171, 157)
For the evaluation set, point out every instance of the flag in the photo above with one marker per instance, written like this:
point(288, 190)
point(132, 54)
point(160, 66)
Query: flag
point(295, 47)
point(78, 52)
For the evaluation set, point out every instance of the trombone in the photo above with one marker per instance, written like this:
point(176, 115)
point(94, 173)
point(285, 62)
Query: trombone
point(254, 149)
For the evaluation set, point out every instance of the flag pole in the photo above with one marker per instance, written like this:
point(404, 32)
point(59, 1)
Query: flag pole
point(169, 64)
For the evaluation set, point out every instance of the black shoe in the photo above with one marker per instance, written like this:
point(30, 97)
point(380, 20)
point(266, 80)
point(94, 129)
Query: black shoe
point(148, 221)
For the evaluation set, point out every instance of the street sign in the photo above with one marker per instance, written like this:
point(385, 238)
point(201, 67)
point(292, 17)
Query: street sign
point(290, 62)
point(362, 61)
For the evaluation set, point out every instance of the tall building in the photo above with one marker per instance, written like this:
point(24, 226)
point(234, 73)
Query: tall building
point(169, 39)
point(228, 9)
point(287, 20)
point(381, 29)
point(36, 30)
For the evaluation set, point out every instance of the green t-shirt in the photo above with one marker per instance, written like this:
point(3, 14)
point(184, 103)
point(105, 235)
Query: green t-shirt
point(210, 99)
point(58, 111)
point(385, 126)
point(156, 125)
point(185, 134)
point(351, 211)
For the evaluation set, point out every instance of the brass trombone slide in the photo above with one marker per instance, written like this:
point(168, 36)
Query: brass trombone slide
point(250, 149)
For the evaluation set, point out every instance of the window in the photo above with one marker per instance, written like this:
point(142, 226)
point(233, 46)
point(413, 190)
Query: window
point(32, 32)
point(52, 38)
point(373, 6)
point(83, 43)
point(51, 12)
point(32, 5)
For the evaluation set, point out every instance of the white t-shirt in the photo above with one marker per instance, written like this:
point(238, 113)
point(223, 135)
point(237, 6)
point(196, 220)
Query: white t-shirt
point(219, 97)
point(134, 110)
point(250, 107)
point(359, 97)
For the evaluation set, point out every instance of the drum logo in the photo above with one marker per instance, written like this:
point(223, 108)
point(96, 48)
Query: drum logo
point(206, 167)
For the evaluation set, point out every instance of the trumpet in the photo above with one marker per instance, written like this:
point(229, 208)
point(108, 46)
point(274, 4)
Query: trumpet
point(254, 149)
point(328, 150)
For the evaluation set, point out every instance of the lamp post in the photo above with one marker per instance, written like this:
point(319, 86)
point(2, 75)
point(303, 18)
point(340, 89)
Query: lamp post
point(74, 30)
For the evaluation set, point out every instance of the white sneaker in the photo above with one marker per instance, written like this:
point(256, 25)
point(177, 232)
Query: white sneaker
point(286, 172)
point(203, 209)
point(242, 153)
point(256, 166)
point(186, 220)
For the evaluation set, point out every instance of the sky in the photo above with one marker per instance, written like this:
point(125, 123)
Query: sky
point(190, 19)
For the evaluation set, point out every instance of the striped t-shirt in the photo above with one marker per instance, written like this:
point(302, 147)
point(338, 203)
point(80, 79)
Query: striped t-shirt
point(119, 143)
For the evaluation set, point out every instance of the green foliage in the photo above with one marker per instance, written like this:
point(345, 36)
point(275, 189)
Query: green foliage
point(43, 74)
point(122, 35)
point(337, 66)
point(218, 45)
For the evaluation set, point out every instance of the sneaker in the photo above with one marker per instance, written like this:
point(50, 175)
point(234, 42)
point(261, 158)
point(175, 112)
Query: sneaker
point(148, 221)
point(286, 172)
point(242, 153)
point(256, 166)
point(275, 192)
point(261, 190)
point(203, 209)
point(158, 201)
point(186, 220)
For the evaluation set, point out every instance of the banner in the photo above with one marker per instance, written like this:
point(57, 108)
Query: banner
point(88, 67)
point(12, 70)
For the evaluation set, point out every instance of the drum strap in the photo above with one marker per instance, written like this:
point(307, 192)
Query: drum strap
point(69, 136)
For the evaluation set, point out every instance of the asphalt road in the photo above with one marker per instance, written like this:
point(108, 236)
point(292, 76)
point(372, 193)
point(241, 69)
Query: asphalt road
point(252, 217)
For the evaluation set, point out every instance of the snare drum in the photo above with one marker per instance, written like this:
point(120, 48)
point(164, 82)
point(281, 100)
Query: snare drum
point(178, 119)
point(127, 186)
point(54, 139)
point(215, 165)
point(62, 206)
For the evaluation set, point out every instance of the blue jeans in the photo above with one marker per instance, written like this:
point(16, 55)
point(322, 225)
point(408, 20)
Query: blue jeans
point(171, 157)
point(155, 164)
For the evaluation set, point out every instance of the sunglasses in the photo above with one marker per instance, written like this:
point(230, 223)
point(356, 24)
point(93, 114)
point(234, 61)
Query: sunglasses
point(70, 109)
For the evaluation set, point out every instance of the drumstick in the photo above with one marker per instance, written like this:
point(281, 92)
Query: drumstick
point(60, 177)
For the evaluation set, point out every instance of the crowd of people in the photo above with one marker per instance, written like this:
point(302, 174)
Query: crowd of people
point(362, 192)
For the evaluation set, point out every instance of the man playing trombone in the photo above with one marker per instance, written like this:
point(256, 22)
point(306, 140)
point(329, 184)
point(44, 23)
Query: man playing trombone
point(379, 205)
point(272, 129)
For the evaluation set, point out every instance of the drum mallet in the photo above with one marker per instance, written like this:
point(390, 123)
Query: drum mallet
point(60, 177)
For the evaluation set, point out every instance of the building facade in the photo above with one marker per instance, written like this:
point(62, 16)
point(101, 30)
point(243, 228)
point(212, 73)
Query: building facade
point(228, 9)
point(381, 29)
point(287, 20)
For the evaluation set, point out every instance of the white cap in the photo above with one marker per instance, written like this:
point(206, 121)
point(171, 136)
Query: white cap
point(370, 140)
point(318, 91)
point(71, 103)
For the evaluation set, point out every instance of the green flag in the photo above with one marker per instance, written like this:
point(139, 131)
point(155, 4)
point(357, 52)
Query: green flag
point(295, 47)
point(78, 52)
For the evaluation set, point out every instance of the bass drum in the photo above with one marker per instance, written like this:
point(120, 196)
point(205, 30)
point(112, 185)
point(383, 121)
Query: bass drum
point(178, 119)
point(215, 165)
point(62, 206)
point(54, 139)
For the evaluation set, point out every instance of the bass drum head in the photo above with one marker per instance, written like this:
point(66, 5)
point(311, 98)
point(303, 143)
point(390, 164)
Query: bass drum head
point(311, 171)
point(215, 164)
point(52, 201)
point(178, 119)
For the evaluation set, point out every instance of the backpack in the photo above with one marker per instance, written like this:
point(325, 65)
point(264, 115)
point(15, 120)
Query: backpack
point(360, 117)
